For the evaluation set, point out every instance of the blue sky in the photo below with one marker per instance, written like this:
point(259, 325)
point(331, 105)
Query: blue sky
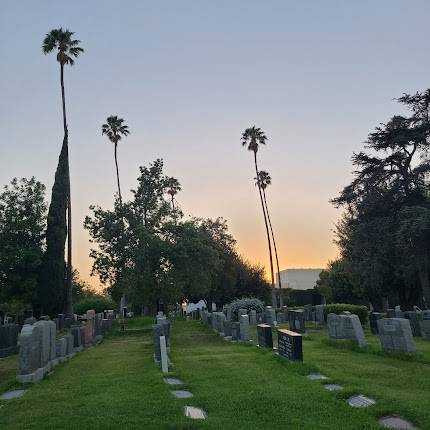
point(189, 77)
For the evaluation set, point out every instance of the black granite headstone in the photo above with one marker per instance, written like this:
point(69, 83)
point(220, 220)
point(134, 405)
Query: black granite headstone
point(264, 332)
point(290, 345)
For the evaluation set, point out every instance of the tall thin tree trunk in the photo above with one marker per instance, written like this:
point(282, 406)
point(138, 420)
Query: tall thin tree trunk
point(117, 177)
point(273, 238)
point(274, 301)
point(69, 291)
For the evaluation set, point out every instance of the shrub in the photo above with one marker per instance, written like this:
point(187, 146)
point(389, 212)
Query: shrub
point(338, 308)
point(99, 304)
point(248, 303)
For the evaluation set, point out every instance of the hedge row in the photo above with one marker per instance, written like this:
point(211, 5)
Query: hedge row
point(337, 308)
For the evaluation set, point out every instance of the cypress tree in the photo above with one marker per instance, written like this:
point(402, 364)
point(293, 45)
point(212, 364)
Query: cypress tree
point(51, 288)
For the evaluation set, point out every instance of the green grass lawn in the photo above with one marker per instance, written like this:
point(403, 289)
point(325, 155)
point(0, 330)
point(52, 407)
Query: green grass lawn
point(116, 385)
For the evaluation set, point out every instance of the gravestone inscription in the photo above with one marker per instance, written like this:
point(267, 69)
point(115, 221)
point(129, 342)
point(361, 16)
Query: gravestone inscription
point(395, 335)
point(290, 345)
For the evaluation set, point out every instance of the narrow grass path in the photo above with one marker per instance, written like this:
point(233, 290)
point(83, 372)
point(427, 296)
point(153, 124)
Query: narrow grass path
point(117, 386)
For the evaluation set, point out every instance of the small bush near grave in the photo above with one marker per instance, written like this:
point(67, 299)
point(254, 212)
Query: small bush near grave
point(99, 304)
point(249, 303)
point(337, 308)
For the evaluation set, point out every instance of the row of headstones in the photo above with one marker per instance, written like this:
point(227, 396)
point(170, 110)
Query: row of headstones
point(161, 336)
point(40, 350)
point(416, 319)
point(395, 334)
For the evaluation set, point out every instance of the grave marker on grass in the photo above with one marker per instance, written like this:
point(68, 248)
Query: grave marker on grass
point(395, 335)
point(290, 345)
point(265, 338)
point(346, 327)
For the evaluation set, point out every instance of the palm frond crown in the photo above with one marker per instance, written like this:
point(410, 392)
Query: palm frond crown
point(115, 128)
point(253, 137)
point(68, 48)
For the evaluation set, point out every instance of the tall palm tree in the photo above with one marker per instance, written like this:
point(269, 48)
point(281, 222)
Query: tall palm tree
point(265, 180)
point(253, 137)
point(67, 50)
point(115, 129)
point(173, 187)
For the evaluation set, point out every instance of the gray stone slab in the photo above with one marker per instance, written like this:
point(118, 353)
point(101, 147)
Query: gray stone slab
point(182, 394)
point(346, 327)
point(316, 376)
point(395, 335)
point(14, 394)
point(396, 423)
point(333, 387)
point(195, 413)
point(360, 401)
point(244, 327)
point(173, 381)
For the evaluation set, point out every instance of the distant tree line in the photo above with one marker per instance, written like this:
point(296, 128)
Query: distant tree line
point(384, 233)
point(146, 250)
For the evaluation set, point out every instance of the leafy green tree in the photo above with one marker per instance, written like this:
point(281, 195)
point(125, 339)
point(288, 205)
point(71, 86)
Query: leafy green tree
point(386, 207)
point(115, 129)
point(68, 50)
point(22, 228)
point(335, 284)
point(252, 138)
point(265, 180)
point(157, 258)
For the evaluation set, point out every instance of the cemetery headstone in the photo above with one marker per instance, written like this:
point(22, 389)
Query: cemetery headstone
point(270, 315)
point(412, 316)
point(296, 321)
point(426, 322)
point(373, 321)
point(29, 364)
point(253, 317)
point(346, 327)
point(265, 338)
point(244, 327)
point(227, 328)
point(395, 335)
point(8, 339)
point(235, 330)
point(290, 345)
point(307, 309)
point(77, 342)
point(319, 313)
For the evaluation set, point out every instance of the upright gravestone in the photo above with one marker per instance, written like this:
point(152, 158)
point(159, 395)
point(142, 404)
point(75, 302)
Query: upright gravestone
point(252, 317)
point(391, 313)
point(319, 313)
point(346, 327)
point(8, 339)
point(395, 335)
point(221, 322)
point(373, 321)
point(61, 321)
point(290, 345)
point(69, 345)
point(52, 340)
point(29, 364)
point(296, 321)
point(235, 330)
point(44, 336)
point(90, 327)
point(77, 342)
point(227, 328)
point(270, 315)
point(242, 311)
point(264, 333)
point(426, 322)
point(412, 316)
point(228, 312)
point(244, 327)
point(307, 309)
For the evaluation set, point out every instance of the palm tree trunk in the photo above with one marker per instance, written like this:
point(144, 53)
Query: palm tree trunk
point(274, 301)
point(117, 176)
point(273, 238)
point(68, 301)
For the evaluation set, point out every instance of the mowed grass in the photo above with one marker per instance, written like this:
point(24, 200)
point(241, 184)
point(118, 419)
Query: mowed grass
point(116, 385)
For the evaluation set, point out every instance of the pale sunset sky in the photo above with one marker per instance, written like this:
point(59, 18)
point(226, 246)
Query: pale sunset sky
point(189, 76)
